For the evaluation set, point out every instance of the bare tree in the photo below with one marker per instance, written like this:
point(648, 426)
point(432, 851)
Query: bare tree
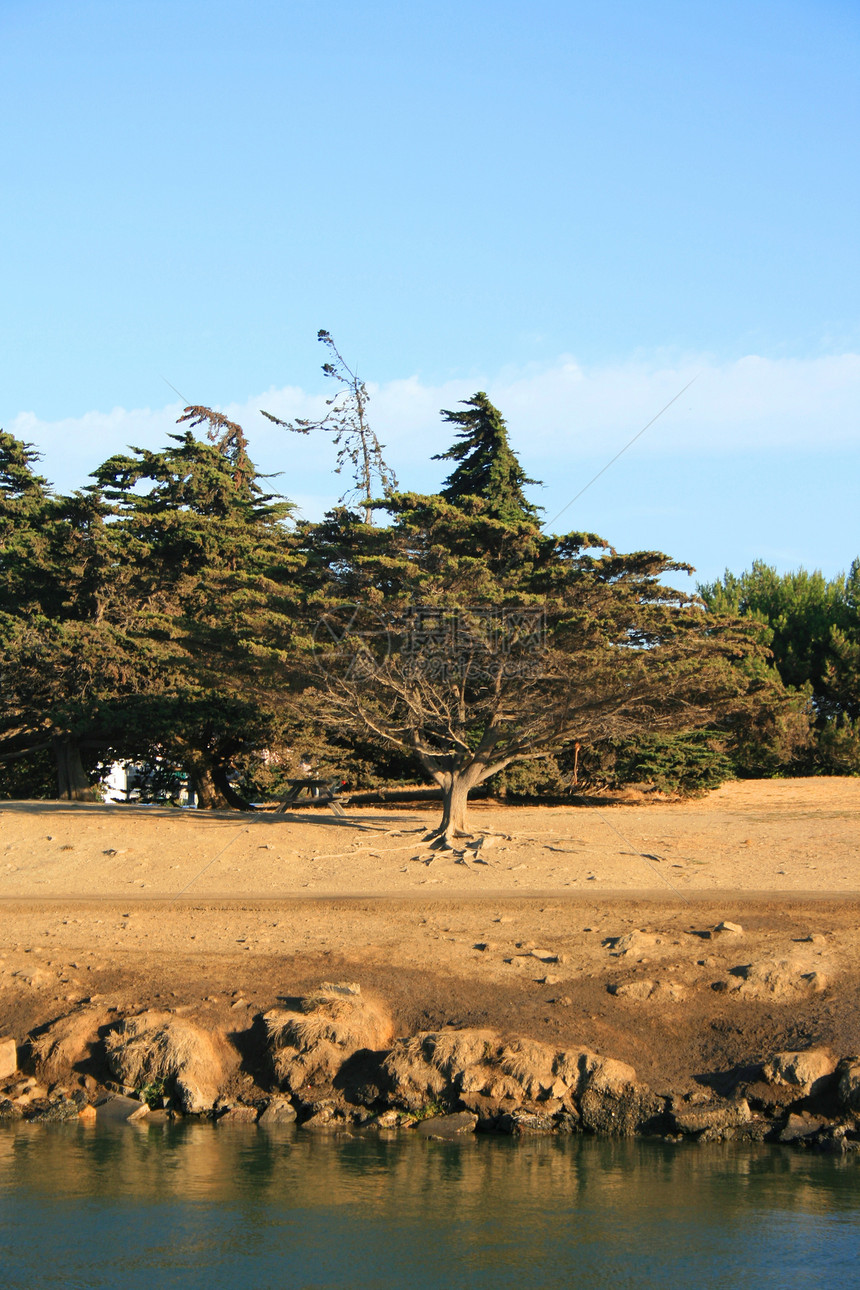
point(348, 423)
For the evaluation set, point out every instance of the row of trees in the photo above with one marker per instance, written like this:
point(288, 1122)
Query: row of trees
point(812, 627)
point(178, 615)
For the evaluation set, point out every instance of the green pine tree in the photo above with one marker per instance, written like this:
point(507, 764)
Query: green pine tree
point(487, 467)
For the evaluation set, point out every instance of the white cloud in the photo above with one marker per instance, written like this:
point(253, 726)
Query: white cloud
point(557, 414)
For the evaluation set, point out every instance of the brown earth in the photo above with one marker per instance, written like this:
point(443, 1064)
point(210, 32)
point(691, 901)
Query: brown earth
point(223, 915)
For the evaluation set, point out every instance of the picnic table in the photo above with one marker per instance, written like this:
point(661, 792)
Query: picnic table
point(314, 790)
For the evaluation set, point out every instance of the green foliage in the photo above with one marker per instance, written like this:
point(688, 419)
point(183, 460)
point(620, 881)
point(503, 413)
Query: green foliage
point(688, 764)
point(32, 777)
point(169, 615)
point(618, 655)
point(153, 1094)
point(151, 619)
point(487, 467)
point(812, 626)
point(430, 1110)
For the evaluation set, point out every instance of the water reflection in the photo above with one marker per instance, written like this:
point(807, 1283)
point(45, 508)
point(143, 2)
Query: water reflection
point(245, 1205)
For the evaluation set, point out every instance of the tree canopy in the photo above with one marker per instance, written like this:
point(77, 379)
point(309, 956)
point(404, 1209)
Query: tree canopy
point(474, 642)
point(487, 467)
point(178, 614)
point(812, 626)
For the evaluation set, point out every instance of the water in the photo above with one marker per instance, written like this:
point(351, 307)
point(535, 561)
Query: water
point(202, 1205)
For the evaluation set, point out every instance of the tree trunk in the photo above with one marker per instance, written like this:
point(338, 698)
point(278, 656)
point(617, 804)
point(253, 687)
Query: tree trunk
point(72, 782)
point(455, 786)
point(209, 795)
point(228, 792)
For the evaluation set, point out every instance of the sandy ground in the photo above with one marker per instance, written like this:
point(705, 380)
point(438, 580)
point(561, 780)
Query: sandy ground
point(771, 835)
point(531, 933)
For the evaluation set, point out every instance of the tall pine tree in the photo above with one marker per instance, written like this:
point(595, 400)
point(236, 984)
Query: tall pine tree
point(487, 467)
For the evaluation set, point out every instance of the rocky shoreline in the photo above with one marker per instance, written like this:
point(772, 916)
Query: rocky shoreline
point(329, 1062)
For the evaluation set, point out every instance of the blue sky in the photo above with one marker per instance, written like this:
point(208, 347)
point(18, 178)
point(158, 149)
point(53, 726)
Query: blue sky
point(576, 207)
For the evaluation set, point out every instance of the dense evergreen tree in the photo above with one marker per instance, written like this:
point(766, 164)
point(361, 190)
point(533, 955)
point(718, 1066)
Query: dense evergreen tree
point(55, 637)
point(148, 617)
point(812, 625)
point(487, 466)
point(210, 563)
point(174, 614)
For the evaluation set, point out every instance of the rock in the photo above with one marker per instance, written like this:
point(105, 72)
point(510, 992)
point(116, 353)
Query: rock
point(117, 1109)
point(728, 929)
point(610, 1099)
point(715, 1117)
point(489, 1110)
point(621, 1113)
point(59, 1048)
point(659, 991)
point(567, 1122)
point(321, 1113)
point(9, 1110)
point(35, 977)
point(520, 1123)
point(634, 990)
point(832, 1141)
point(671, 992)
point(278, 1111)
point(448, 1126)
point(30, 1091)
point(394, 1120)
point(849, 1083)
point(87, 1115)
point(772, 1098)
point(57, 1112)
point(239, 1114)
point(811, 1071)
point(159, 1116)
point(8, 1058)
point(634, 943)
point(578, 1068)
point(801, 1126)
point(777, 979)
point(328, 1119)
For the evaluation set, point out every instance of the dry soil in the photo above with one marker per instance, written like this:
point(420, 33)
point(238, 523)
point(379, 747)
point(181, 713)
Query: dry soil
point(575, 924)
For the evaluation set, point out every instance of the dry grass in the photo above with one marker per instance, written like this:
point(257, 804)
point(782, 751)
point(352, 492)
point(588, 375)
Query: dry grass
point(333, 1015)
point(530, 1063)
point(295, 1070)
point(310, 1045)
point(454, 1051)
point(68, 1041)
point(413, 1078)
point(157, 1046)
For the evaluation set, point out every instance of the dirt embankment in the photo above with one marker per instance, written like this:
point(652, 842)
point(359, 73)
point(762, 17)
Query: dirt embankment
point(581, 927)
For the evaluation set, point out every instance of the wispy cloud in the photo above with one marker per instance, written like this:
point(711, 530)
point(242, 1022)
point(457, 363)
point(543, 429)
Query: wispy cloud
point(557, 414)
